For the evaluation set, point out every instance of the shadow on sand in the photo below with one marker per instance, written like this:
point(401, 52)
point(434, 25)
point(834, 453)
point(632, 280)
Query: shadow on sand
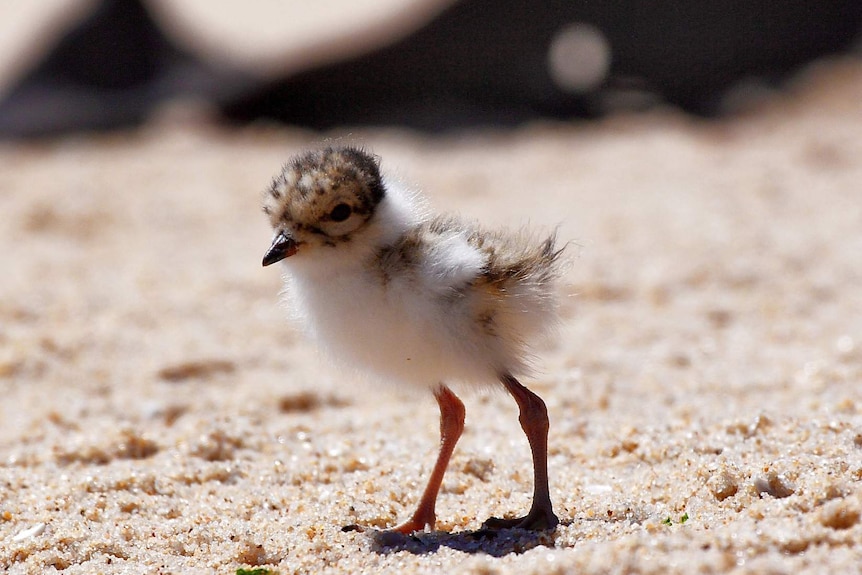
point(496, 543)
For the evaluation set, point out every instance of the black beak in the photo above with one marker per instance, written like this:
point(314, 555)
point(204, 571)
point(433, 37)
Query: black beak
point(282, 247)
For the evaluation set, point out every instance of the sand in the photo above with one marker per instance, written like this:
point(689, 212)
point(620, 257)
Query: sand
point(160, 414)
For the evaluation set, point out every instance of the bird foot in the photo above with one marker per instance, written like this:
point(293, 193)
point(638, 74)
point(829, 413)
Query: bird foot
point(412, 526)
point(407, 528)
point(535, 520)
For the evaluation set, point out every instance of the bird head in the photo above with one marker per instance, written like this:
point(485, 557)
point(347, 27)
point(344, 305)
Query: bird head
point(321, 200)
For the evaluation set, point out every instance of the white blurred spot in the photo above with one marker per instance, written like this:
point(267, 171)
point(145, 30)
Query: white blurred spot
point(845, 345)
point(579, 57)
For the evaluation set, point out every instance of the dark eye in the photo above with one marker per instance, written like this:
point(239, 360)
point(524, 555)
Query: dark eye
point(340, 213)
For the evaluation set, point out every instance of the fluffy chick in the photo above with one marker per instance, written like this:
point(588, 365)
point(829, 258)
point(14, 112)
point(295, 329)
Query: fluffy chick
point(414, 298)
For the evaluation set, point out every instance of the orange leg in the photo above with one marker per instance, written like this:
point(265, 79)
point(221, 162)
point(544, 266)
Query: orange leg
point(451, 426)
point(534, 422)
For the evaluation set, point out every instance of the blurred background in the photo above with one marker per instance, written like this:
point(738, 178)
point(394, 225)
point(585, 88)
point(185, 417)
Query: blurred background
point(72, 65)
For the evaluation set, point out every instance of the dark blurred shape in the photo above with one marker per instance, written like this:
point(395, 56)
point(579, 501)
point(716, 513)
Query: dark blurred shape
point(109, 71)
point(503, 62)
point(478, 62)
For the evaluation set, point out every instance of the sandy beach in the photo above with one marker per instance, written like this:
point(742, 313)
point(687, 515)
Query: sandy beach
point(161, 415)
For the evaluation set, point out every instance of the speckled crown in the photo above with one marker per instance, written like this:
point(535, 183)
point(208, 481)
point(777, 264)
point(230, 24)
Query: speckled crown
point(321, 173)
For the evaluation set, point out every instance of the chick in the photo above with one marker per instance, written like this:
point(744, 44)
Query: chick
point(416, 299)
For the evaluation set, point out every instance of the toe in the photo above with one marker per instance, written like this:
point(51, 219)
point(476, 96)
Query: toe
point(411, 526)
point(497, 523)
point(542, 520)
point(536, 520)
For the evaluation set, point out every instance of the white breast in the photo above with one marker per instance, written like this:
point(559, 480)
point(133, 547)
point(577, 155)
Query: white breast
point(412, 330)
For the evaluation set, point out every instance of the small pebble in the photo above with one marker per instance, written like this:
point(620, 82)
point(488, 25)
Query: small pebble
point(34, 531)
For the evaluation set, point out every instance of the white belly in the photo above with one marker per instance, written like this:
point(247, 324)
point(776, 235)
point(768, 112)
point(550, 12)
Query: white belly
point(407, 336)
